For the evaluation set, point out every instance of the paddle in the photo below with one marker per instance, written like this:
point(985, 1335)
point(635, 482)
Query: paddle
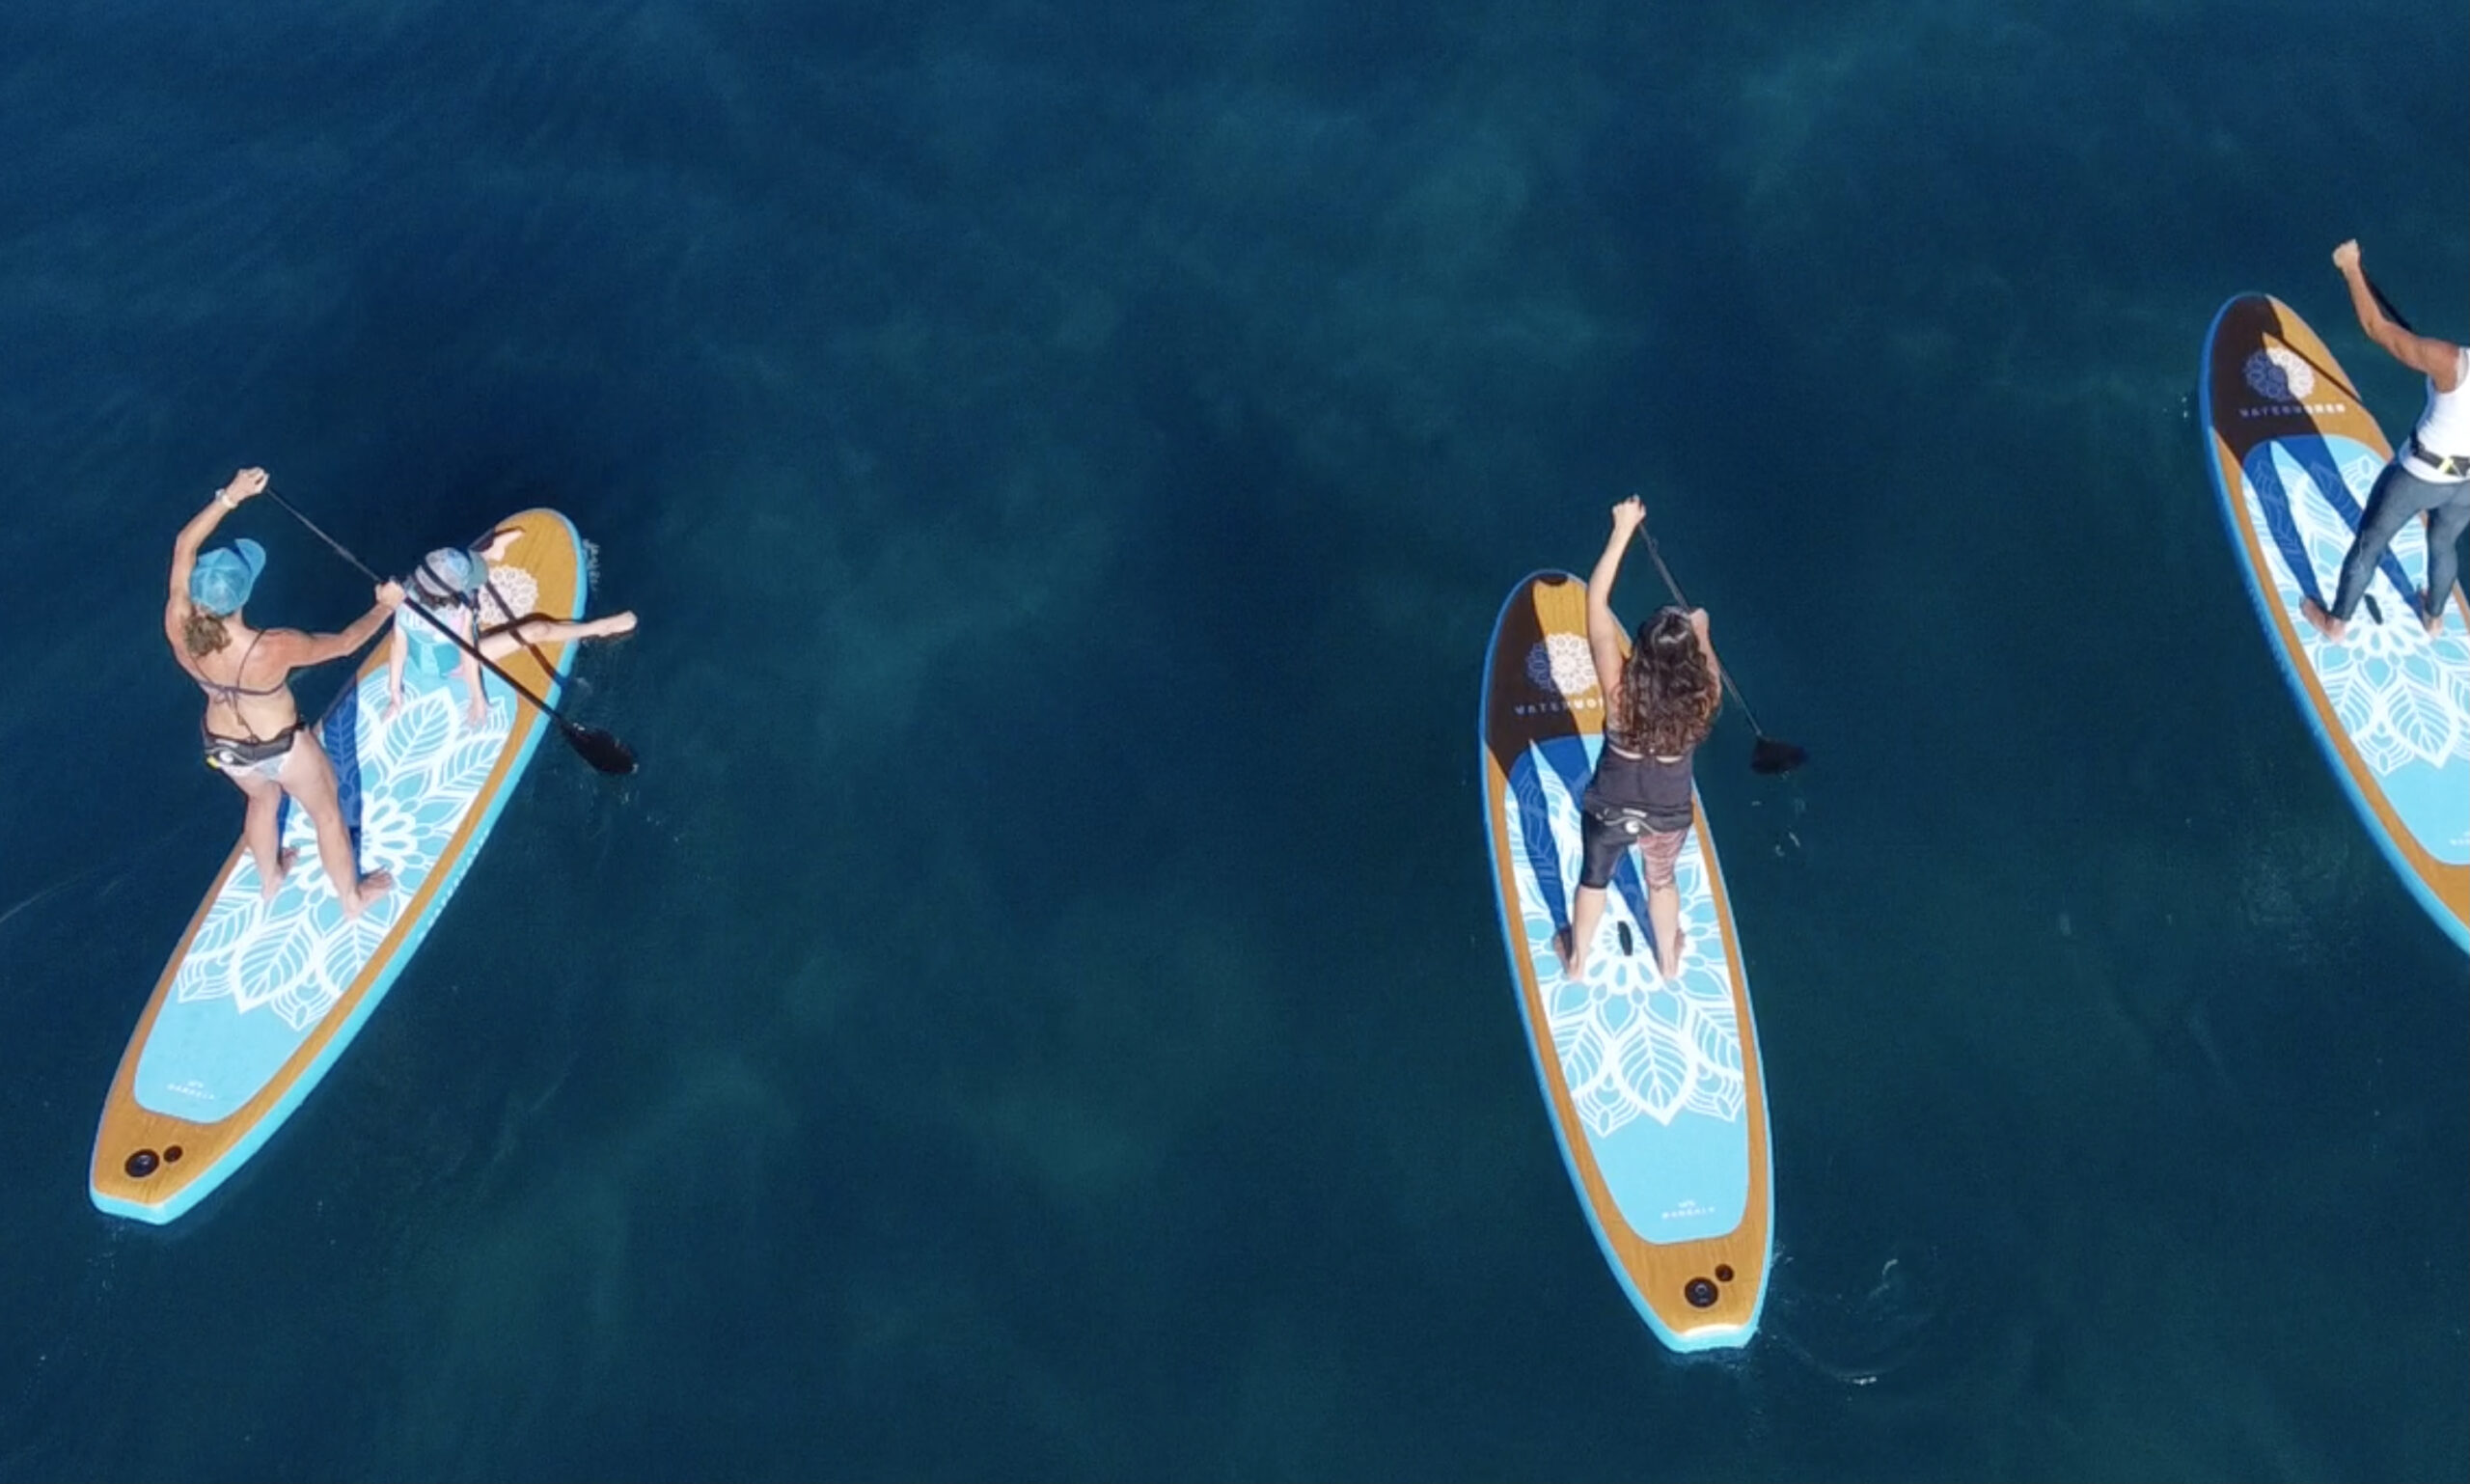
point(1766, 755)
point(514, 624)
point(2383, 303)
point(598, 748)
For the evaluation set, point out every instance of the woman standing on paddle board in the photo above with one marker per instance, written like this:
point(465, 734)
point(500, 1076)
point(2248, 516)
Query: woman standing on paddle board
point(1658, 706)
point(2430, 474)
point(253, 731)
point(449, 584)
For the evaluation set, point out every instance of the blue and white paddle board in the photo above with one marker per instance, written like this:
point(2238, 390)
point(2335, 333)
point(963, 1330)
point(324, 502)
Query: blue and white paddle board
point(2295, 454)
point(1654, 1088)
point(261, 996)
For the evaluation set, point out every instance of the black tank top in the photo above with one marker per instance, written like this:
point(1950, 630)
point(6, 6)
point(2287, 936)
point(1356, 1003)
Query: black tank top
point(1649, 786)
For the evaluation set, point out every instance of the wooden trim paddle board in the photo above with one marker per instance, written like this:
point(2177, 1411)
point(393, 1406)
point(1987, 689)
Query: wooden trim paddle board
point(2295, 456)
point(261, 996)
point(1654, 1088)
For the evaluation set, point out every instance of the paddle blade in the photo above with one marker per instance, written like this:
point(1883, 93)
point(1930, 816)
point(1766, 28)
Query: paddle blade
point(599, 749)
point(1771, 757)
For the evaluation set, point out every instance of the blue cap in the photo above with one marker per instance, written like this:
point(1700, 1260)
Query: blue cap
point(222, 578)
point(450, 572)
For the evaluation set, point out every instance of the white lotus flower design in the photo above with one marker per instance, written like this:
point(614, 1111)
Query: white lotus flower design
point(2280, 373)
point(1563, 664)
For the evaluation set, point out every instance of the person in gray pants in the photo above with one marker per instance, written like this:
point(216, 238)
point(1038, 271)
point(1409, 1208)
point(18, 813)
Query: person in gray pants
point(2430, 474)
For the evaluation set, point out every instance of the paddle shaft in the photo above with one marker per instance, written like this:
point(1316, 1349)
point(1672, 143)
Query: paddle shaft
point(513, 624)
point(1725, 671)
point(2383, 303)
point(575, 732)
point(514, 627)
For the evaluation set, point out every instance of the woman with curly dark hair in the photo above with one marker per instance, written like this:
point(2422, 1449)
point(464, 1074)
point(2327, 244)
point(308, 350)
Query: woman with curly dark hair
point(1658, 705)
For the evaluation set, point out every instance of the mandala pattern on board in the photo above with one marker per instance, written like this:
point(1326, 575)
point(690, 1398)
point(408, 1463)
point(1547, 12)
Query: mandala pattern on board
point(512, 584)
point(2280, 373)
point(2402, 697)
point(1561, 664)
point(1629, 1043)
point(420, 772)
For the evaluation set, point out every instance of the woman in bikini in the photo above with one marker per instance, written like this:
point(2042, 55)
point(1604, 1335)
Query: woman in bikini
point(1658, 706)
point(450, 583)
point(253, 731)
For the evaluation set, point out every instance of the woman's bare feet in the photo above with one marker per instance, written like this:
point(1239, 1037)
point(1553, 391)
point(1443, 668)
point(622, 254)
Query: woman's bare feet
point(1670, 968)
point(1573, 962)
point(611, 627)
point(375, 885)
point(271, 886)
point(2324, 624)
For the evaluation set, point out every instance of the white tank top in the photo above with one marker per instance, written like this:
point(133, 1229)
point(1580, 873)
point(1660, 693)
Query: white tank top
point(2444, 428)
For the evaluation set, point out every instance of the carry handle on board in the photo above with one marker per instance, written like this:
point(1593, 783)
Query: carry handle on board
point(598, 748)
point(1767, 755)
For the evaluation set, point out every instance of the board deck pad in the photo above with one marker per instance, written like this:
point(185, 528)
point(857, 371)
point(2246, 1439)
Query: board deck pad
point(261, 996)
point(2295, 456)
point(1655, 1090)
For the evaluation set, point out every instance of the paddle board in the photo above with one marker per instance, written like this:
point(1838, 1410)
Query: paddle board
point(2295, 456)
point(1654, 1088)
point(261, 996)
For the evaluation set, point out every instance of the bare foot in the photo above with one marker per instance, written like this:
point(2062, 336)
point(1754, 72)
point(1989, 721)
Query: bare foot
point(2325, 623)
point(2433, 623)
point(611, 627)
point(1573, 962)
point(494, 548)
point(1670, 968)
point(373, 886)
point(270, 887)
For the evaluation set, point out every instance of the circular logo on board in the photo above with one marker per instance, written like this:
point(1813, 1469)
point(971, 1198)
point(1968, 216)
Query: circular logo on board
point(2278, 373)
point(1561, 664)
point(518, 588)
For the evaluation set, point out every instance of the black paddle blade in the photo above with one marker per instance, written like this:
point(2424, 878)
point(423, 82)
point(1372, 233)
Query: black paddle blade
point(1773, 757)
point(599, 749)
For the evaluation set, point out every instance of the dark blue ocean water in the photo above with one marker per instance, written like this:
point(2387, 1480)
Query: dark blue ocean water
point(1038, 1012)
